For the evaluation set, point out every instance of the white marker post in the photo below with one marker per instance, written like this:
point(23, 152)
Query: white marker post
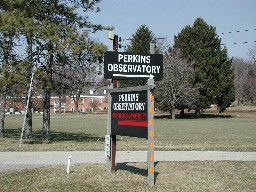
point(69, 164)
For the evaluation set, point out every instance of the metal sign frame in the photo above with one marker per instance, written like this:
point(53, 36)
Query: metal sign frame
point(150, 127)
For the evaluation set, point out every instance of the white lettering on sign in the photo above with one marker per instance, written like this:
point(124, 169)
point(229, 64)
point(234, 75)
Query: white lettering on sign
point(129, 106)
point(134, 68)
point(133, 58)
point(129, 97)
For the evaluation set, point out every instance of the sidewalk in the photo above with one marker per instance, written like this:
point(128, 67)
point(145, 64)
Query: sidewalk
point(22, 160)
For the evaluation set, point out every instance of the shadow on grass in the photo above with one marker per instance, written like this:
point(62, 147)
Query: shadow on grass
point(66, 136)
point(12, 133)
point(54, 136)
point(192, 116)
point(135, 170)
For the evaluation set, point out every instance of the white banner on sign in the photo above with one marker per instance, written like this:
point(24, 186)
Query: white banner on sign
point(122, 75)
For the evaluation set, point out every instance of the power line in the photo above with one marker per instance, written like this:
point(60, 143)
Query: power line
point(238, 31)
point(245, 42)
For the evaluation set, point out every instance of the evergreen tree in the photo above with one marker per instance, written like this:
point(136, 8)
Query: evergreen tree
point(201, 45)
point(60, 22)
point(140, 44)
point(48, 27)
point(11, 72)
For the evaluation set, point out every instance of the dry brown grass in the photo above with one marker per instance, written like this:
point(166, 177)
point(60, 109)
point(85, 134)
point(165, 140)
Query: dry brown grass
point(170, 176)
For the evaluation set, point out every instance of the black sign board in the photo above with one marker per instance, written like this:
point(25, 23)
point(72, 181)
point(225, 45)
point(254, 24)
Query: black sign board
point(129, 114)
point(123, 65)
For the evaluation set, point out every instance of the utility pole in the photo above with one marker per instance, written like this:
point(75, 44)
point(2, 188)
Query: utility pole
point(27, 103)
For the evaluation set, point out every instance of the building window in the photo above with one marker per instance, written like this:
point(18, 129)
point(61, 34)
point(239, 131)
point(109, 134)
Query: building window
point(91, 109)
point(91, 100)
point(105, 92)
point(100, 101)
point(82, 110)
point(72, 100)
point(82, 101)
point(56, 105)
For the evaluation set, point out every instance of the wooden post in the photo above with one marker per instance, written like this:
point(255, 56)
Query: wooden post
point(113, 153)
point(151, 136)
point(111, 162)
point(113, 141)
point(109, 158)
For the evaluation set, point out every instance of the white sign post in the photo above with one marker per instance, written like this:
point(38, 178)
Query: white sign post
point(151, 136)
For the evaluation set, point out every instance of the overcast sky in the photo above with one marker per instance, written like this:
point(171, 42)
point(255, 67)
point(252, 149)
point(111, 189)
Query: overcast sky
point(166, 18)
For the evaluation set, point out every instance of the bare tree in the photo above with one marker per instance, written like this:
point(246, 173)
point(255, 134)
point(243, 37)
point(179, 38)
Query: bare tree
point(77, 66)
point(245, 80)
point(249, 85)
point(240, 72)
point(252, 54)
point(176, 89)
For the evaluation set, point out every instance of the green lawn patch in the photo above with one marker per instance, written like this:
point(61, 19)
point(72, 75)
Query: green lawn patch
point(234, 131)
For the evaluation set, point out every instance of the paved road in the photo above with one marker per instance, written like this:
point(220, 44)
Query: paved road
point(22, 160)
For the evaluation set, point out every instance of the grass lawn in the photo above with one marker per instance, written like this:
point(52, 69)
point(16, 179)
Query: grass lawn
point(170, 176)
point(230, 131)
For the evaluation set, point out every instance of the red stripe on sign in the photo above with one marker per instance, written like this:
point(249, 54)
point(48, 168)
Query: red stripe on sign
point(133, 123)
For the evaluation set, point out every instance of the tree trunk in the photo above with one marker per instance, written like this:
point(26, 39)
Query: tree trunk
point(60, 103)
point(173, 105)
point(197, 113)
point(173, 113)
point(28, 124)
point(76, 100)
point(76, 105)
point(2, 115)
point(47, 95)
point(182, 112)
point(46, 116)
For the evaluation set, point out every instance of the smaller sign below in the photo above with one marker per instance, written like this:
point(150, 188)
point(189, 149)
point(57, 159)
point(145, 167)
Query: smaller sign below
point(129, 114)
point(123, 65)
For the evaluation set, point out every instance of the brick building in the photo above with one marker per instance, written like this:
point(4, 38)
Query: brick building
point(90, 101)
point(86, 103)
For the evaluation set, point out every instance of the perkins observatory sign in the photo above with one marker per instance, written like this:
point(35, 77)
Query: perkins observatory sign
point(131, 109)
point(129, 114)
point(123, 65)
